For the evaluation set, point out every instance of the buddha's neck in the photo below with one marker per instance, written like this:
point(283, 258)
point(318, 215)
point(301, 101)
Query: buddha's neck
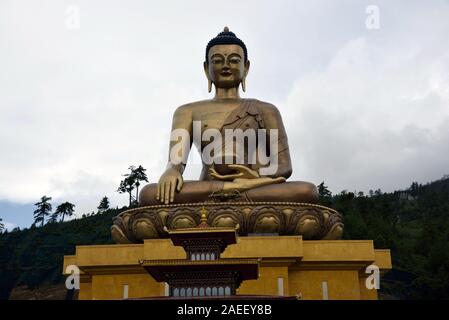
point(227, 93)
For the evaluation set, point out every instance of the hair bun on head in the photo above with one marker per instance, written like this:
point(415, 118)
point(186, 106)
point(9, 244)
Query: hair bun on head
point(227, 37)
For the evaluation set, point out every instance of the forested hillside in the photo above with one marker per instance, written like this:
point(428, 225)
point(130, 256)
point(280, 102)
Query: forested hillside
point(413, 223)
point(34, 256)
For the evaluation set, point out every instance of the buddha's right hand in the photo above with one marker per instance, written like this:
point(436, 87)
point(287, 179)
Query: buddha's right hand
point(170, 181)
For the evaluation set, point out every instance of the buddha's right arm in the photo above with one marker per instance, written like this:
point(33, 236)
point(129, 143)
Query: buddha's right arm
point(180, 139)
point(180, 143)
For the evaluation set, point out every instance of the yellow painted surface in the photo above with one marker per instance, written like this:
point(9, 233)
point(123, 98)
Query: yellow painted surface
point(118, 254)
point(267, 282)
point(159, 249)
point(338, 250)
point(112, 287)
point(365, 293)
point(265, 247)
point(341, 284)
point(85, 292)
point(382, 259)
point(303, 266)
point(68, 260)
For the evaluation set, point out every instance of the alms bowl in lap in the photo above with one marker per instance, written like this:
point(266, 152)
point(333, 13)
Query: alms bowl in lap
point(312, 221)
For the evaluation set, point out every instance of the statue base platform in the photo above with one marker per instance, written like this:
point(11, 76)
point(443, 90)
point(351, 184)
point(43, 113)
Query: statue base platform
point(288, 266)
point(311, 221)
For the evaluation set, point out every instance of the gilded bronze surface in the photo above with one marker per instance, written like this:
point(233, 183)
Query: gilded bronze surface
point(226, 68)
point(284, 218)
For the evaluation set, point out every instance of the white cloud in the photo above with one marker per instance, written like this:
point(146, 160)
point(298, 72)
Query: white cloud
point(363, 109)
point(376, 117)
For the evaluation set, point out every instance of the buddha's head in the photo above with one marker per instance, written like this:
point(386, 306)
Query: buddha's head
point(226, 64)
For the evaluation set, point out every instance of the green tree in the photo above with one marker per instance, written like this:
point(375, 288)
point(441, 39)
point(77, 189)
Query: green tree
point(132, 181)
point(139, 175)
point(65, 209)
point(2, 226)
point(127, 186)
point(104, 205)
point(53, 218)
point(323, 190)
point(325, 194)
point(43, 209)
point(414, 189)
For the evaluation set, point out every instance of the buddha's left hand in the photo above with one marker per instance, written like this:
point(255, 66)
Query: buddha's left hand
point(243, 172)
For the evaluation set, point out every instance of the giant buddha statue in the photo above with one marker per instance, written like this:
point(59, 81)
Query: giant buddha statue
point(246, 163)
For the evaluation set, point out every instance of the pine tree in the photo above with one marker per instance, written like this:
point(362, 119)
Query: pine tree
point(53, 218)
point(132, 181)
point(104, 205)
point(139, 175)
point(65, 209)
point(127, 186)
point(43, 210)
point(323, 190)
point(325, 194)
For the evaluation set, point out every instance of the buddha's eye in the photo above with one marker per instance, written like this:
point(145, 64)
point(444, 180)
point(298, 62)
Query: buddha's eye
point(234, 60)
point(217, 61)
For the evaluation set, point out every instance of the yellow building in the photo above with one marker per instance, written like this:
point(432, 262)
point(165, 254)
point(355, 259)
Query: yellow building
point(288, 266)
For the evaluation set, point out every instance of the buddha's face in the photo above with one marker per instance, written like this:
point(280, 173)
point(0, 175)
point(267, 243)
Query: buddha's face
point(226, 65)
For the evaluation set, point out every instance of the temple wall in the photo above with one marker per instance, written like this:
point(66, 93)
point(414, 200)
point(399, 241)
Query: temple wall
point(113, 287)
point(288, 266)
point(267, 282)
point(341, 284)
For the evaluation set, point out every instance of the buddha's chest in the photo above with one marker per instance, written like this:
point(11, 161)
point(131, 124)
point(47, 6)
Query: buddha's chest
point(228, 116)
point(212, 120)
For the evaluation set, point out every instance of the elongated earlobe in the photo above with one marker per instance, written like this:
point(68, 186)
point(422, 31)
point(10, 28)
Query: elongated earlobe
point(209, 88)
point(247, 64)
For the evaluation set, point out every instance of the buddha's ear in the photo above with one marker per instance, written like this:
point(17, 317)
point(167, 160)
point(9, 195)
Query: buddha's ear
point(209, 81)
point(245, 73)
point(247, 63)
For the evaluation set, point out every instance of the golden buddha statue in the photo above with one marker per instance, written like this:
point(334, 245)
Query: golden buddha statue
point(226, 67)
point(243, 183)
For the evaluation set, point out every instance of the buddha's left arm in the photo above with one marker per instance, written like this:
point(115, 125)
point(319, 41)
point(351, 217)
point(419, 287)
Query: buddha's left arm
point(273, 120)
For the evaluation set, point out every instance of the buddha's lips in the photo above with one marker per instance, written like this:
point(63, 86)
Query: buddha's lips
point(226, 74)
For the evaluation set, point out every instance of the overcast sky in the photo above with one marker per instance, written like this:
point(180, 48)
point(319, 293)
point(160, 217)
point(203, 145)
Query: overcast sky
point(88, 88)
